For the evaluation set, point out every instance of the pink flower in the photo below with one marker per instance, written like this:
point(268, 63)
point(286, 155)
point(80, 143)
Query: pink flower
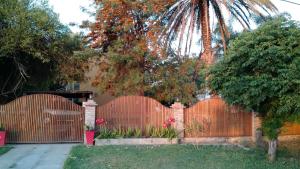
point(100, 121)
point(165, 125)
point(171, 120)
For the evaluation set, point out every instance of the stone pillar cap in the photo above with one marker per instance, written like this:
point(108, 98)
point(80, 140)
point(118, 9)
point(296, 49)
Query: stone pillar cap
point(90, 102)
point(177, 105)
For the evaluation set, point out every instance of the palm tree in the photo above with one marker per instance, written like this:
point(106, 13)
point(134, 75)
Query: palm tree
point(183, 17)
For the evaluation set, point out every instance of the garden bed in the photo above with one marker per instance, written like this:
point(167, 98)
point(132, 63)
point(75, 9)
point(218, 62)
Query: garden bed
point(135, 141)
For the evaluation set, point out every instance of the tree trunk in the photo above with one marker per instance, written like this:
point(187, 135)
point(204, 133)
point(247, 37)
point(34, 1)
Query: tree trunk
point(206, 33)
point(272, 149)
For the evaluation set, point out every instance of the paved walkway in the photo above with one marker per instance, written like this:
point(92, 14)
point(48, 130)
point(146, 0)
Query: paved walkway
point(36, 156)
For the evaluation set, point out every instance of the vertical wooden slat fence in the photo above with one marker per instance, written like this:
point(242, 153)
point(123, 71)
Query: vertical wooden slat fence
point(290, 129)
point(213, 118)
point(134, 112)
point(42, 118)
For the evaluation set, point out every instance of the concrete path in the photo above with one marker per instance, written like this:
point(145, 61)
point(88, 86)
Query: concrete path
point(36, 156)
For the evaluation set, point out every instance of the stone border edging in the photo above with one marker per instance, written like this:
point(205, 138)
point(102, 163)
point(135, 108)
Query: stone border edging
point(136, 141)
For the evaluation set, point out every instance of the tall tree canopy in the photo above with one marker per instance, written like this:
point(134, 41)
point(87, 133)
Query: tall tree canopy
point(184, 17)
point(130, 60)
point(33, 44)
point(261, 73)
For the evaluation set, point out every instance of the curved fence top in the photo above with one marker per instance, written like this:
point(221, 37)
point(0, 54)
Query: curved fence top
point(134, 111)
point(131, 99)
point(39, 99)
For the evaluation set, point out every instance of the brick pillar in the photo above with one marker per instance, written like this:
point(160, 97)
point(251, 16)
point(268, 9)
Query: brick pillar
point(90, 113)
point(256, 130)
point(179, 118)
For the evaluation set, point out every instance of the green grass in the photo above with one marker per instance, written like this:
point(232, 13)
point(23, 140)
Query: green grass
point(175, 157)
point(4, 150)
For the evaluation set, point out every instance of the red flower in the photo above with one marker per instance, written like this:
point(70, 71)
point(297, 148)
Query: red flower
point(171, 120)
point(165, 125)
point(100, 121)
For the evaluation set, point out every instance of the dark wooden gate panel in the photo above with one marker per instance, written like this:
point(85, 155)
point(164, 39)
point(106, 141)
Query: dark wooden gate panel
point(42, 118)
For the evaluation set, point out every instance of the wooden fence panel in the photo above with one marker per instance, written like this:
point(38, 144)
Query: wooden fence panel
point(290, 129)
point(213, 118)
point(134, 112)
point(42, 118)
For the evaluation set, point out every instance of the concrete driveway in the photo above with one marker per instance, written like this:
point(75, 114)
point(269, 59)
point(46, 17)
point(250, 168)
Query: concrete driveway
point(36, 156)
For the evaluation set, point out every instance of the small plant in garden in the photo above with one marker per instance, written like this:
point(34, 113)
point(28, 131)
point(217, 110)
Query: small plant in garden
point(148, 131)
point(119, 132)
point(129, 133)
point(88, 128)
point(105, 133)
point(137, 133)
point(194, 127)
point(2, 128)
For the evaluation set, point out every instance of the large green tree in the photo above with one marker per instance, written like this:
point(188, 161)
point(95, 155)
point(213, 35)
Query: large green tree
point(261, 73)
point(33, 45)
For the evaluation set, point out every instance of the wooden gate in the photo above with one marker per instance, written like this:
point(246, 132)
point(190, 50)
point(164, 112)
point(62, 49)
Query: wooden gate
point(214, 118)
point(42, 118)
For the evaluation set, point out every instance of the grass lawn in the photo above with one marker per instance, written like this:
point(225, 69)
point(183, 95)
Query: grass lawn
point(4, 150)
point(175, 157)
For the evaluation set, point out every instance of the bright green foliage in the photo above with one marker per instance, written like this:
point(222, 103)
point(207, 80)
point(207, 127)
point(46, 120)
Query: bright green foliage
point(261, 72)
point(33, 45)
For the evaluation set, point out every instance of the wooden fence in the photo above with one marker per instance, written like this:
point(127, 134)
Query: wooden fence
point(134, 111)
point(290, 129)
point(51, 119)
point(42, 119)
point(213, 118)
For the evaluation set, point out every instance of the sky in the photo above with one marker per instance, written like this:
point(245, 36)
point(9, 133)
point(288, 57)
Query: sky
point(70, 10)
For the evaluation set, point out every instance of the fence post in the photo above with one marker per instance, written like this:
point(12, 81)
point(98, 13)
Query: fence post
point(90, 114)
point(179, 118)
point(256, 130)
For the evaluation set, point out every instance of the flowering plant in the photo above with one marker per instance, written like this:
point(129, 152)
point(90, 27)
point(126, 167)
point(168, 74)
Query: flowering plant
point(100, 121)
point(168, 122)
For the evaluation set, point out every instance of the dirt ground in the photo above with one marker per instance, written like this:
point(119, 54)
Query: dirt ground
point(290, 145)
